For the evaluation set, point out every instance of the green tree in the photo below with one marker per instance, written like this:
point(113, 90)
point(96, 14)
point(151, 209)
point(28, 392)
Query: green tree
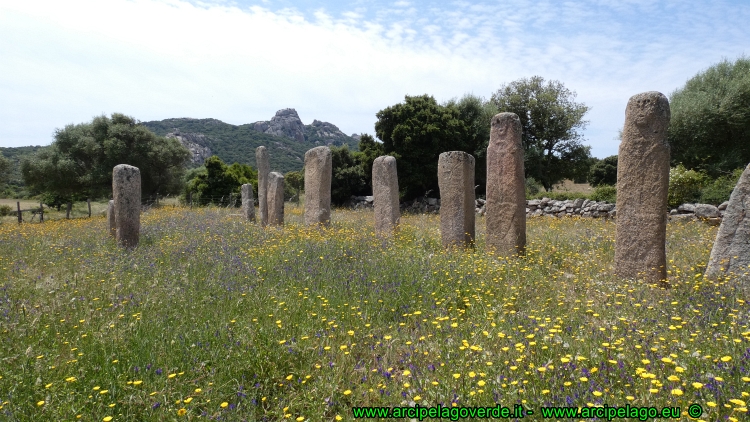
point(416, 132)
point(710, 124)
point(551, 120)
point(294, 184)
point(219, 182)
point(5, 170)
point(476, 113)
point(348, 175)
point(603, 172)
point(80, 160)
point(369, 150)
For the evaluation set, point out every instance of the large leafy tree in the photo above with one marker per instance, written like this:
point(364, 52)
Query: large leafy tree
point(81, 158)
point(348, 175)
point(603, 172)
point(476, 113)
point(5, 170)
point(710, 124)
point(416, 132)
point(216, 182)
point(369, 150)
point(551, 121)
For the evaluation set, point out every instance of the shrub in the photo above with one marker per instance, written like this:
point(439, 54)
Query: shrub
point(684, 185)
point(720, 189)
point(294, 184)
point(5, 210)
point(532, 187)
point(603, 172)
point(607, 193)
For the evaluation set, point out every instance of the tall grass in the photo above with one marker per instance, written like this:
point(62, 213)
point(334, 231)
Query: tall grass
point(211, 317)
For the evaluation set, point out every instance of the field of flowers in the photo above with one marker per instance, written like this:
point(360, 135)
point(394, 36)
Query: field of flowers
point(215, 318)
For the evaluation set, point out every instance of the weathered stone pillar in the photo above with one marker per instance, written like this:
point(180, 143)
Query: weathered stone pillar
point(505, 210)
point(126, 190)
point(642, 184)
point(111, 218)
point(264, 167)
point(318, 175)
point(456, 182)
point(275, 199)
point(731, 251)
point(385, 195)
point(248, 202)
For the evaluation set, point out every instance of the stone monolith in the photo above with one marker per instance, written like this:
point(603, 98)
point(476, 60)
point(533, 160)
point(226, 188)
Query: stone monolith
point(248, 202)
point(275, 199)
point(642, 184)
point(385, 195)
point(731, 251)
point(264, 167)
point(126, 191)
point(456, 182)
point(505, 210)
point(111, 218)
point(318, 175)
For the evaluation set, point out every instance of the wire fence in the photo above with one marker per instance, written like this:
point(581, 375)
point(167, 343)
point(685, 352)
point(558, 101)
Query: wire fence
point(147, 202)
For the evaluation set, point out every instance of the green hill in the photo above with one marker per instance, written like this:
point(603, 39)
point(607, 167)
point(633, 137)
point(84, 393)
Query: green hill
point(238, 143)
point(286, 138)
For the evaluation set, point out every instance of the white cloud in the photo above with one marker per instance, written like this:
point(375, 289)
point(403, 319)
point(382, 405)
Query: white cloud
point(64, 62)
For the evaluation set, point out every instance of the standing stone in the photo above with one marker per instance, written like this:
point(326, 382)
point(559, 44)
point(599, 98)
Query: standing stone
point(731, 251)
point(456, 182)
point(261, 160)
point(642, 184)
point(505, 209)
point(275, 199)
point(111, 218)
point(248, 202)
point(126, 190)
point(385, 195)
point(318, 175)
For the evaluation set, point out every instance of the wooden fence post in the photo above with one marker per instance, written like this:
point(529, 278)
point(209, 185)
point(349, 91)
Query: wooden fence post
point(20, 218)
point(41, 212)
point(67, 212)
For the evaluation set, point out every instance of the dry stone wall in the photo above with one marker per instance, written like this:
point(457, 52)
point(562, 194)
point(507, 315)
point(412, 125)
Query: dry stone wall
point(546, 207)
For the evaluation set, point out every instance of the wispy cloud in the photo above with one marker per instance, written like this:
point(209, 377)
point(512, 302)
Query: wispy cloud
point(63, 62)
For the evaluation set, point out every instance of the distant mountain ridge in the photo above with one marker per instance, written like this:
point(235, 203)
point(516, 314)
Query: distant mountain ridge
point(286, 138)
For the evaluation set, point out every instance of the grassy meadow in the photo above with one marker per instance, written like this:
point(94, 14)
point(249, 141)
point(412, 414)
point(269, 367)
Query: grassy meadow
point(214, 318)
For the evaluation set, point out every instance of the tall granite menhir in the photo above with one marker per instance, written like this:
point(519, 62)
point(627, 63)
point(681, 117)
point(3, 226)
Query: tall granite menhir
point(318, 175)
point(731, 251)
point(505, 211)
point(264, 167)
point(642, 184)
point(248, 202)
point(111, 218)
point(275, 199)
point(126, 190)
point(456, 183)
point(385, 195)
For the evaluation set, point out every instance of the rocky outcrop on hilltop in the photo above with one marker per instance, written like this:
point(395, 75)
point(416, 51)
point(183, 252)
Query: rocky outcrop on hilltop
point(324, 133)
point(197, 143)
point(285, 123)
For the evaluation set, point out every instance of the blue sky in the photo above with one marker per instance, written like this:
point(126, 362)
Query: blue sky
point(65, 62)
